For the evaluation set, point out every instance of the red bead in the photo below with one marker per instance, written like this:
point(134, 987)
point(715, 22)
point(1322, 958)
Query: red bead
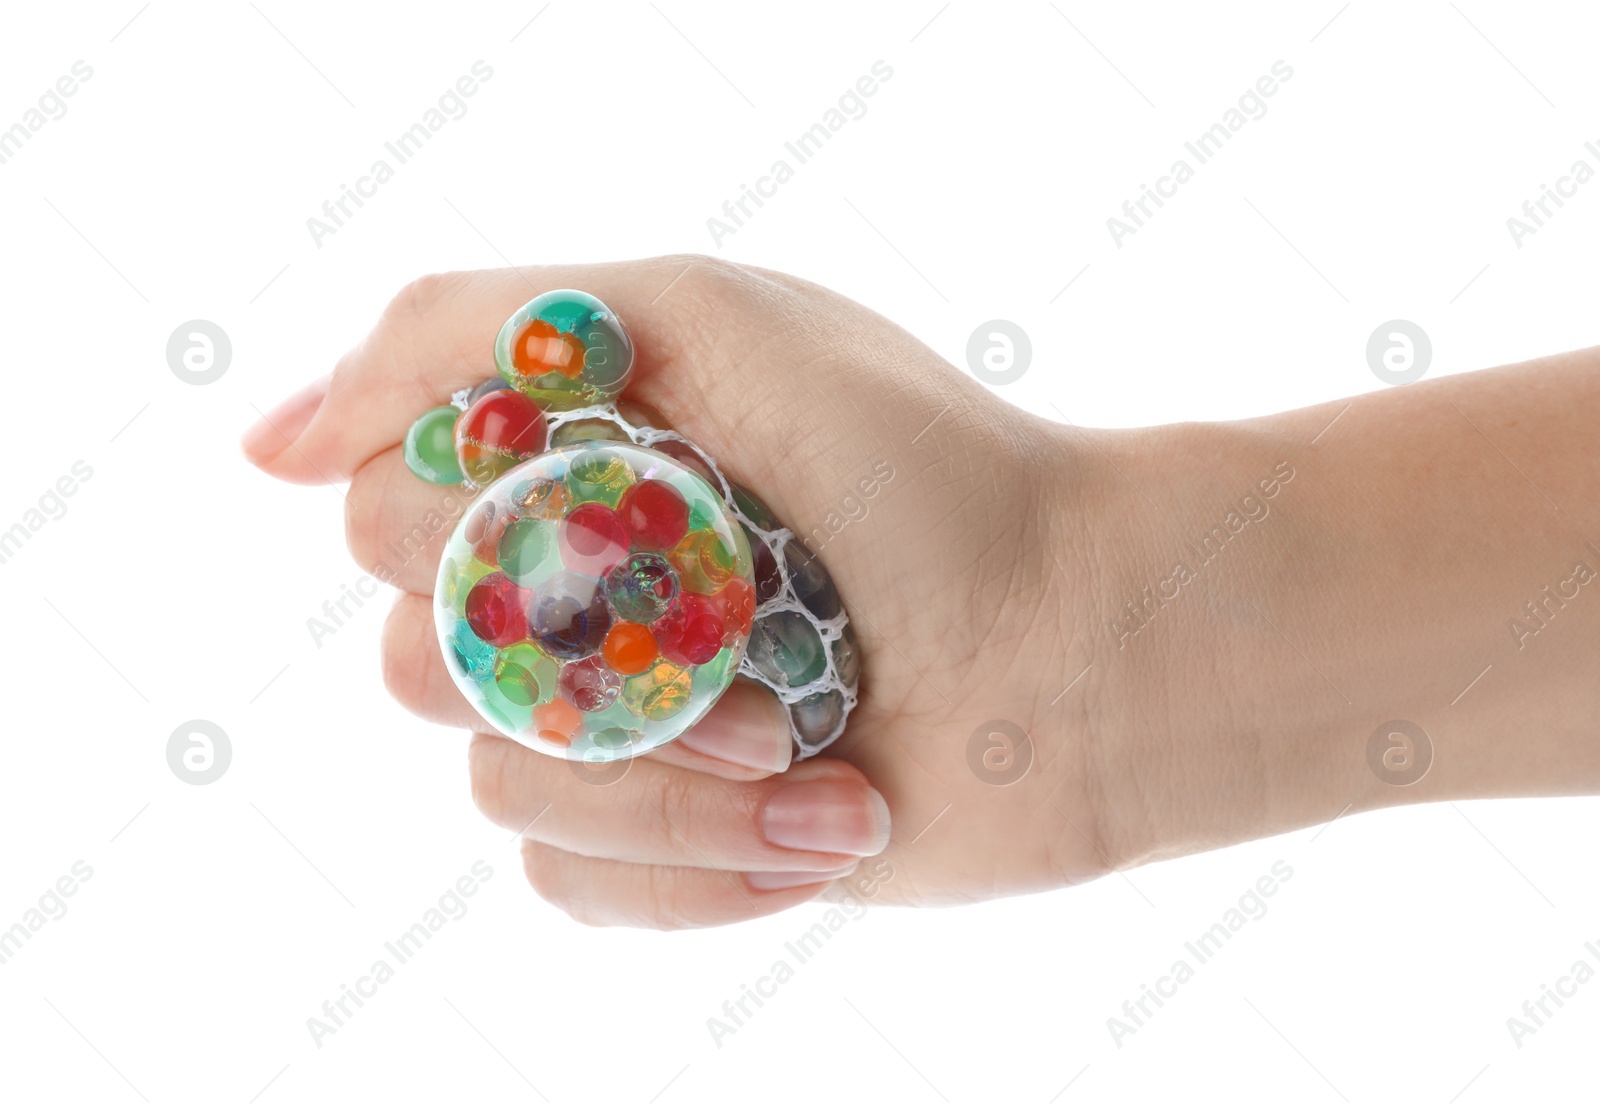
point(497, 610)
point(589, 685)
point(768, 581)
point(686, 455)
point(691, 631)
point(655, 513)
point(592, 540)
point(499, 431)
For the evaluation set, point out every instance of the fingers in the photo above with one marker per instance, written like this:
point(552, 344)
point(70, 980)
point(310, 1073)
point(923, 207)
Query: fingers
point(745, 735)
point(600, 892)
point(414, 668)
point(277, 429)
point(438, 335)
point(819, 816)
point(396, 525)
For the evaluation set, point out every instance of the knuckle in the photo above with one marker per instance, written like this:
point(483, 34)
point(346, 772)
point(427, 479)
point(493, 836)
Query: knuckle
point(348, 370)
point(425, 293)
point(674, 796)
point(703, 277)
point(394, 532)
point(669, 907)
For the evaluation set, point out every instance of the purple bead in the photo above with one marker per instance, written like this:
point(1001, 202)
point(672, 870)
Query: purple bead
point(568, 616)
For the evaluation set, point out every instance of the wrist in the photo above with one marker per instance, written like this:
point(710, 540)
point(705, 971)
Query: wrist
point(1220, 718)
point(1267, 597)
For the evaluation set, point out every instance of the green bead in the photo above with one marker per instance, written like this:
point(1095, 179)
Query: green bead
point(608, 356)
point(528, 550)
point(587, 430)
point(703, 514)
point(456, 580)
point(507, 717)
point(614, 738)
point(430, 446)
point(598, 476)
point(444, 587)
point(754, 509)
point(713, 676)
point(525, 675)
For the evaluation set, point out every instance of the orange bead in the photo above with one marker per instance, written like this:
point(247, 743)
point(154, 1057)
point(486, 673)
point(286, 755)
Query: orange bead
point(539, 498)
point(557, 721)
point(542, 349)
point(737, 603)
point(704, 561)
point(629, 648)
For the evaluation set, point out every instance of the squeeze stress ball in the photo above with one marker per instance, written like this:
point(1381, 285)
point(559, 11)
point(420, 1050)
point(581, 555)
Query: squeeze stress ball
point(597, 599)
point(599, 596)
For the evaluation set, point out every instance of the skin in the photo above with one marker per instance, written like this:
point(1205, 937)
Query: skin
point(988, 580)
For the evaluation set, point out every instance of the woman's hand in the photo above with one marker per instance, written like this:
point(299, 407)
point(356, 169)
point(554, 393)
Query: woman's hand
point(955, 527)
point(1082, 649)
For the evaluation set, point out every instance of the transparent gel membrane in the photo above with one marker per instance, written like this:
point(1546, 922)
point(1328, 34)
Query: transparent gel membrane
point(595, 601)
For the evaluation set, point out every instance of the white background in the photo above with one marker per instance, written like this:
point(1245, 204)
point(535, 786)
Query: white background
point(179, 582)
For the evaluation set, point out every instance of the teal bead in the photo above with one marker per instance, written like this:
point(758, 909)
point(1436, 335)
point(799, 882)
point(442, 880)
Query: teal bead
point(472, 655)
point(566, 311)
point(786, 650)
point(430, 446)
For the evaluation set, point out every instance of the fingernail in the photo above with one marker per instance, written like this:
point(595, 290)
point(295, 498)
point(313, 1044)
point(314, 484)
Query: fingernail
point(273, 432)
point(747, 727)
point(827, 816)
point(777, 882)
